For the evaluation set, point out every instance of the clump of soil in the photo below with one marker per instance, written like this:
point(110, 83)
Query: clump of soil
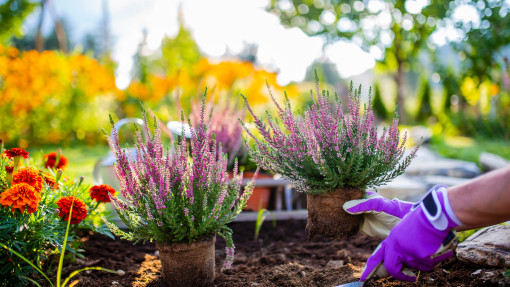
point(188, 264)
point(280, 257)
point(326, 216)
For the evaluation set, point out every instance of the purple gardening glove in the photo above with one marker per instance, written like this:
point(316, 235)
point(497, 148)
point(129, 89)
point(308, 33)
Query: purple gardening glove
point(418, 241)
point(380, 214)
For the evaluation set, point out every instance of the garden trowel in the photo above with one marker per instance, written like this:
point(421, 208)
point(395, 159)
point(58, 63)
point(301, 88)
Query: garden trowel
point(381, 272)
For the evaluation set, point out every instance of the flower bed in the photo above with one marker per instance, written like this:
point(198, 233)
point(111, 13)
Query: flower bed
point(281, 257)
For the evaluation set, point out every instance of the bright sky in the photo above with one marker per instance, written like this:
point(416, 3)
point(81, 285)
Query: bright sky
point(216, 26)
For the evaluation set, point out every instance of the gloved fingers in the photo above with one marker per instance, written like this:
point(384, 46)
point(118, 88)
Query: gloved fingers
point(373, 262)
point(371, 193)
point(378, 225)
point(423, 266)
point(367, 205)
point(394, 265)
point(442, 257)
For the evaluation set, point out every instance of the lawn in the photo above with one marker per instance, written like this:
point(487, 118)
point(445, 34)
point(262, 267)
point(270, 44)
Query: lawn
point(469, 149)
point(81, 159)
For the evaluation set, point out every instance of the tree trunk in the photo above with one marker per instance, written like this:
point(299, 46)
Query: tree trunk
point(39, 40)
point(399, 79)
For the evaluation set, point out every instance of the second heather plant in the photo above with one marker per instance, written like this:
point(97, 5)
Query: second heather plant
point(323, 148)
point(177, 195)
point(330, 155)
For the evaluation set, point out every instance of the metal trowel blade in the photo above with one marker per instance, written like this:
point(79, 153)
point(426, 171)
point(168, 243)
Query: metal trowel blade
point(352, 284)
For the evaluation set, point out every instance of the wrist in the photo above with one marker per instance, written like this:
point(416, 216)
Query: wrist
point(437, 209)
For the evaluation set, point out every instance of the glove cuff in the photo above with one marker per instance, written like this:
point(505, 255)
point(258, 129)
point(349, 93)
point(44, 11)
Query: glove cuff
point(437, 209)
point(447, 206)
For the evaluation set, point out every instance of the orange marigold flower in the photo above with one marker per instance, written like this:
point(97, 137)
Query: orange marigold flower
point(100, 192)
point(19, 196)
point(79, 209)
point(51, 158)
point(50, 181)
point(28, 175)
point(16, 152)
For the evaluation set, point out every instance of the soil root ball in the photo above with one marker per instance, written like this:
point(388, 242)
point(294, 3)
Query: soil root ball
point(188, 265)
point(327, 218)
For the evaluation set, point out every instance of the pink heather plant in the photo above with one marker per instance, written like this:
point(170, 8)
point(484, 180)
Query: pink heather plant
point(223, 123)
point(324, 149)
point(176, 195)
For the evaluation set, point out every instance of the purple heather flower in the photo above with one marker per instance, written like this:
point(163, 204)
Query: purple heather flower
point(323, 148)
point(181, 193)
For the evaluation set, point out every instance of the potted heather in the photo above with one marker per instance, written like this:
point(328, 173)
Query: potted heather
point(331, 155)
point(223, 123)
point(180, 198)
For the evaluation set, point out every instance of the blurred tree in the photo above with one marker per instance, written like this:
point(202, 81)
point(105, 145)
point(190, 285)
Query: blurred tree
point(51, 42)
point(485, 37)
point(396, 30)
point(380, 109)
point(12, 14)
point(180, 52)
point(325, 70)
point(424, 100)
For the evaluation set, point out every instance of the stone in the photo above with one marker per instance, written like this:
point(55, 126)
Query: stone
point(443, 167)
point(404, 188)
point(422, 133)
point(431, 180)
point(115, 283)
point(335, 263)
point(490, 161)
point(489, 246)
point(477, 272)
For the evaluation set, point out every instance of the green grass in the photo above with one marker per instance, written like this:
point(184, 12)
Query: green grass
point(469, 149)
point(82, 159)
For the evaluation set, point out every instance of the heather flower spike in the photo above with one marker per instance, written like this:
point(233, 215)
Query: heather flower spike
point(323, 148)
point(179, 194)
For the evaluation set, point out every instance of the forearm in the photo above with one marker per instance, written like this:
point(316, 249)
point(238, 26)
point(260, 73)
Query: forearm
point(482, 201)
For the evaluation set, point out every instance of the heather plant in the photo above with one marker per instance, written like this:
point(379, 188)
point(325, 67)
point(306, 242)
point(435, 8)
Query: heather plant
point(179, 194)
point(223, 123)
point(323, 148)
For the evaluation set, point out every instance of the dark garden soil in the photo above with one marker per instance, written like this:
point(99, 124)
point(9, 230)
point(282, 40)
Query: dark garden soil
point(281, 257)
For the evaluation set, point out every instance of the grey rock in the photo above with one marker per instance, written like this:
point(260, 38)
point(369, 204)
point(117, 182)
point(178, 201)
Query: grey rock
point(422, 133)
point(335, 263)
point(489, 161)
point(404, 188)
point(431, 180)
point(489, 246)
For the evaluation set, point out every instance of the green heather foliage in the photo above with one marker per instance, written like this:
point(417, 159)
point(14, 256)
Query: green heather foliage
point(180, 194)
point(323, 148)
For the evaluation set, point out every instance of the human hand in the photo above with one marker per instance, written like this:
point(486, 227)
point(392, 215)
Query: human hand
point(380, 214)
point(419, 241)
